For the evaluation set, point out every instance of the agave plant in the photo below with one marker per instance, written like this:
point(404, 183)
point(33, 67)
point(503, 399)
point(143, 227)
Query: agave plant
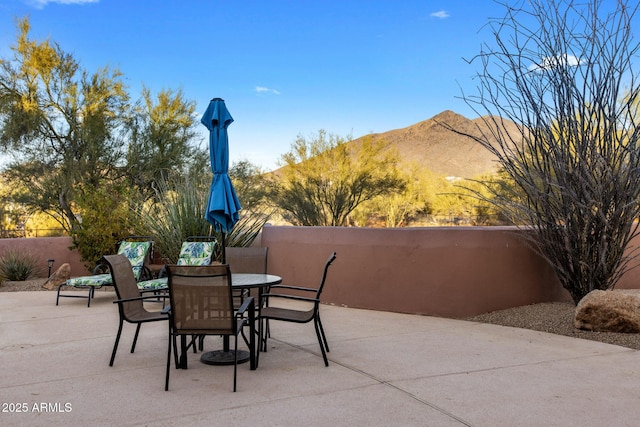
point(179, 213)
point(17, 265)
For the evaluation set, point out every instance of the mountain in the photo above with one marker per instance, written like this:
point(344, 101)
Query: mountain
point(443, 151)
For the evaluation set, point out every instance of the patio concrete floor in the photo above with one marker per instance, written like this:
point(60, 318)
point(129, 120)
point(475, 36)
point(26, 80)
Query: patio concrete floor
point(386, 369)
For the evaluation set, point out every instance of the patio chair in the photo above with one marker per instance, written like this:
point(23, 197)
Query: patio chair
point(270, 312)
point(137, 252)
point(249, 259)
point(130, 302)
point(196, 250)
point(201, 303)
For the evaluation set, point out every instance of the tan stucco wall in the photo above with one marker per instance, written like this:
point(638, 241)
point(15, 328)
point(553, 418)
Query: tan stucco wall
point(44, 248)
point(445, 271)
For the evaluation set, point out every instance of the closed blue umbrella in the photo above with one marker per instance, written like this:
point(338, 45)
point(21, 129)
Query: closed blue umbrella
point(223, 205)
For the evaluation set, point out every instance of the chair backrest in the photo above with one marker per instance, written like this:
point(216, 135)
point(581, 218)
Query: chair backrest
point(125, 283)
point(252, 259)
point(332, 257)
point(138, 254)
point(196, 253)
point(201, 299)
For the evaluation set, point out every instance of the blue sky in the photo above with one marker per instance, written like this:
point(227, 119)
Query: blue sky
point(284, 68)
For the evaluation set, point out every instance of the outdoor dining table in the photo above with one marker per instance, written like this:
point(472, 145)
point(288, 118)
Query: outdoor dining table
point(240, 281)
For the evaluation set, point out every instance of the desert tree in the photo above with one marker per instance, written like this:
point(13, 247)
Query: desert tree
point(251, 184)
point(564, 72)
point(60, 124)
point(160, 130)
point(325, 178)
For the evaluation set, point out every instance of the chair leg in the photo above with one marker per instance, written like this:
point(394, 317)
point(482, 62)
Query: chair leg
point(258, 345)
point(324, 337)
point(175, 351)
point(263, 340)
point(171, 344)
point(318, 334)
point(135, 338)
point(201, 342)
point(115, 345)
point(90, 296)
point(235, 364)
point(253, 358)
point(183, 352)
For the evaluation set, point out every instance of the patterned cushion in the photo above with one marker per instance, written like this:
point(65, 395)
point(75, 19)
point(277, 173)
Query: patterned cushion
point(136, 252)
point(191, 253)
point(97, 280)
point(197, 249)
point(154, 284)
point(194, 261)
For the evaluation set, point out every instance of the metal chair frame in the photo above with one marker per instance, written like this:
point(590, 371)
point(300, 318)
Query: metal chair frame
point(269, 312)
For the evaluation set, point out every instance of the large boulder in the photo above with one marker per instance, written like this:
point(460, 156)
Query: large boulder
point(609, 311)
point(58, 278)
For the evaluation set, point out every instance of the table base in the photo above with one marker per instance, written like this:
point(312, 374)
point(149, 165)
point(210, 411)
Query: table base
point(221, 357)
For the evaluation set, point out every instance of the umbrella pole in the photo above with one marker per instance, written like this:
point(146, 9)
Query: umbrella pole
point(224, 246)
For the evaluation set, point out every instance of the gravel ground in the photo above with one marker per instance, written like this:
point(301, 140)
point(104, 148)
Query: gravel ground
point(552, 317)
point(27, 285)
point(555, 318)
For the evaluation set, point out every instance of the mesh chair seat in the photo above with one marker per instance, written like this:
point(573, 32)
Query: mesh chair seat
point(295, 316)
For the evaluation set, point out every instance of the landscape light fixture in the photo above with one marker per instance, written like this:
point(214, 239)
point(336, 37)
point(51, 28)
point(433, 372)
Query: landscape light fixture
point(50, 264)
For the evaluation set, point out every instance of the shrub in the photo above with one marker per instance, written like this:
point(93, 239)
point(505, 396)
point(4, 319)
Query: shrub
point(18, 264)
point(106, 220)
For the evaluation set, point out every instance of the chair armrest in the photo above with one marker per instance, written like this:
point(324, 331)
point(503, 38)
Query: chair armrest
point(100, 268)
point(296, 288)
point(142, 297)
point(245, 305)
point(145, 273)
point(293, 297)
point(163, 272)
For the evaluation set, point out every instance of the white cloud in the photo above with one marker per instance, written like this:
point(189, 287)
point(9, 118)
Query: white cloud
point(262, 89)
point(441, 14)
point(40, 4)
point(550, 62)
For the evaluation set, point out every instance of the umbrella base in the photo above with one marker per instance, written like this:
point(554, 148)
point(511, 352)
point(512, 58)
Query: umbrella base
point(221, 357)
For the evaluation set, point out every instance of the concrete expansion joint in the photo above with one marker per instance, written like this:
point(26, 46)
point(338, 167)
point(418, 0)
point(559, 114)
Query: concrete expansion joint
point(405, 392)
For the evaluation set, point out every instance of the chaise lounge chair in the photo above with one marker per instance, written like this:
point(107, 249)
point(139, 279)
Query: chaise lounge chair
point(197, 250)
point(138, 254)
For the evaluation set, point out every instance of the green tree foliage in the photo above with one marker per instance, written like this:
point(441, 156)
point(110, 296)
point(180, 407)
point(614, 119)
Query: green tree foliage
point(105, 215)
point(251, 184)
point(160, 132)
point(59, 121)
point(560, 69)
point(400, 208)
point(325, 179)
point(77, 142)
